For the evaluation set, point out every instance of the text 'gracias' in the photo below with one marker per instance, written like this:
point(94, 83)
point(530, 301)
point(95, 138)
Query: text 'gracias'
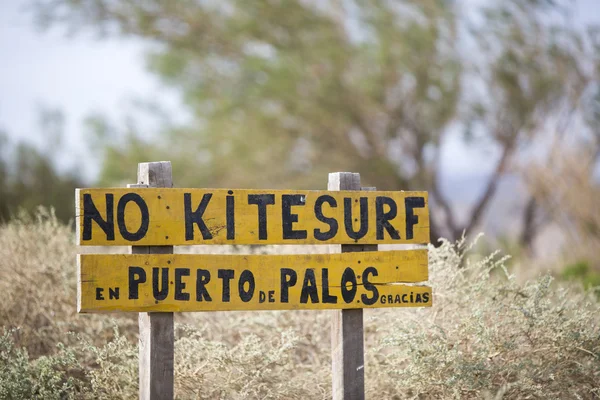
point(193, 282)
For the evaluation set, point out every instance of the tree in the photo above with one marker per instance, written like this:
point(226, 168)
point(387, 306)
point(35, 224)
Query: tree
point(30, 178)
point(4, 193)
point(282, 92)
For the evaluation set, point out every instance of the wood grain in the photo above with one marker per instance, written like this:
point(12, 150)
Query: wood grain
point(156, 336)
point(232, 216)
point(347, 340)
point(194, 282)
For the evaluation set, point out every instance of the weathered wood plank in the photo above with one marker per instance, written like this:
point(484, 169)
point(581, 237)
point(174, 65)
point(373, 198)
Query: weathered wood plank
point(156, 336)
point(193, 282)
point(347, 340)
point(138, 216)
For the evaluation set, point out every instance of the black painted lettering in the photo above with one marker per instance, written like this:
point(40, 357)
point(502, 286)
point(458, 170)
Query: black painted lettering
point(288, 279)
point(91, 213)
point(288, 218)
point(143, 229)
point(230, 215)
point(309, 287)
point(246, 277)
point(113, 293)
point(262, 296)
point(369, 286)
point(425, 297)
point(195, 217)
point(262, 201)
point(332, 222)
point(226, 275)
point(160, 294)
point(364, 218)
point(202, 279)
point(404, 298)
point(180, 285)
point(410, 203)
point(348, 294)
point(383, 218)
point(137, 275)
point(99, 295)
point(382, 300)
point(326, 297)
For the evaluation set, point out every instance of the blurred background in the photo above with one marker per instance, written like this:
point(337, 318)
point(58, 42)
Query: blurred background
point(493, 107)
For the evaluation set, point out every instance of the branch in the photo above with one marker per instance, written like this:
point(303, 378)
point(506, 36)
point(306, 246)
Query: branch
point(443, 202)
point(434, 232)
point(492, 185)
point(529, 226)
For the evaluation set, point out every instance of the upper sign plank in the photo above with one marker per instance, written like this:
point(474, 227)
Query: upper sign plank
point(161, 216)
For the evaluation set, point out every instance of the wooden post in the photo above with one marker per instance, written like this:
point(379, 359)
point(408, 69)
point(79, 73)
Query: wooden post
point(347, 343)
point(157, 337)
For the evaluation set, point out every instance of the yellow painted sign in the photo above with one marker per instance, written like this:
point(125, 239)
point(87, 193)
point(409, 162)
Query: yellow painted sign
point(193, 282)
point(160, 216)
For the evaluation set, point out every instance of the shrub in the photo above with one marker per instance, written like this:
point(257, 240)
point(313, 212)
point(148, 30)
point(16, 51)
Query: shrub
point(488, 335)
point(38, 286)
point(48, 377)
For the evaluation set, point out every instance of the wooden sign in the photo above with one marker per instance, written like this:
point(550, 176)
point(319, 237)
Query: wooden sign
point(193, 282)
point(161, 216)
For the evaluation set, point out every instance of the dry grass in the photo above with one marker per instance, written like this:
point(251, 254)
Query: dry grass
point(487, 336)
point(568, 190)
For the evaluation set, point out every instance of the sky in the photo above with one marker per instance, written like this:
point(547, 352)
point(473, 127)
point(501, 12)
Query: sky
point(78, 75)
point(83, 74)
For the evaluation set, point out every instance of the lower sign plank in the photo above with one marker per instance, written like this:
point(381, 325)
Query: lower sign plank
point(194, 282)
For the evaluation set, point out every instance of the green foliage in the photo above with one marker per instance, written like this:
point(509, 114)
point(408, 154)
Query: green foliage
point(492, 336)
point(38, 285)
point(582, 271)
point(283, 92)
point(29, 177)
point(114, 374)
point(488, 335)
point(48, 377)
point(36, 182)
